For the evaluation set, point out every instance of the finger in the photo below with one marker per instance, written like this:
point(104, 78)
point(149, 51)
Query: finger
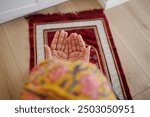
point(64, 41)
point(60, 40)
point(87, 54)
point(69, 43)
point(55, 39)
point(66, 49)
point(48, 52)
point(73, 44)
point(81, 43)
point(77, 43)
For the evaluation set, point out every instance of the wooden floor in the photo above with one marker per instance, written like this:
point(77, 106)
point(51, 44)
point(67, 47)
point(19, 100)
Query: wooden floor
point(130, 25)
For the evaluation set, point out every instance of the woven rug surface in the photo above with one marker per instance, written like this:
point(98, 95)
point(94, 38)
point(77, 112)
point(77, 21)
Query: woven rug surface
point(94, 28)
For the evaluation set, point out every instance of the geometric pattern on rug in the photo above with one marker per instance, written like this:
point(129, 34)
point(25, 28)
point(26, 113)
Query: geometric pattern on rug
point(95, 32)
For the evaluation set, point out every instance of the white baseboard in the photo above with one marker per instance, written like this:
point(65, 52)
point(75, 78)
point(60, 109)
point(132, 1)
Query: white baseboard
point(17, 12)
point(10, 14)
point(107, 4)
point(46, 3)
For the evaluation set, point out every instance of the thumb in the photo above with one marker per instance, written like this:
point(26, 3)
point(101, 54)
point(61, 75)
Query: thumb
point(87, 54)
point(48, 52)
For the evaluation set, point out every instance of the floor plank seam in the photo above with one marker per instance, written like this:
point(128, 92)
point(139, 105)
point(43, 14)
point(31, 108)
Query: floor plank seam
point(141, 91)
point(142, 7)
point(145, 38)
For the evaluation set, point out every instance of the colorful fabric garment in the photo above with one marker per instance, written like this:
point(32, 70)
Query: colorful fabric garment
point(71, 80)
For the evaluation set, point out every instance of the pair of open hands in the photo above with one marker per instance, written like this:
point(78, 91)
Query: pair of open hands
point(67, 48)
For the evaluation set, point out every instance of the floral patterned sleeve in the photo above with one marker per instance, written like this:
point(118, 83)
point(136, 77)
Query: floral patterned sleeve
point(71, 80)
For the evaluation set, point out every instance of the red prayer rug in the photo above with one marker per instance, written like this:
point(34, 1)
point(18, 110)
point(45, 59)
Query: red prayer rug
point(94, 28)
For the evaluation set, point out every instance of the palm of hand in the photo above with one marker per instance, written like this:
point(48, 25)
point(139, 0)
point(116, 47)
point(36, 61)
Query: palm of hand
point(77, 49)
point(57, 51)
point(71, 48)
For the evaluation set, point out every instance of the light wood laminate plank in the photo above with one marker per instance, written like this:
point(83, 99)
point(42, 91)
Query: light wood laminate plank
point(18, 38)
point(138, 17)
point(131, 37)
point(136, 77)
point(11, 79)
point(144, 95)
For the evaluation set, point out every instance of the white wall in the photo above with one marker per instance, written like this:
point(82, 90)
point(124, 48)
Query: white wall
point(11, 4)
point(11, 9)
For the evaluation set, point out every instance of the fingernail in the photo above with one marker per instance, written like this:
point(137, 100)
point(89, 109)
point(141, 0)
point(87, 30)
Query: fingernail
point(75, 33)
point(62, 31)
point(66, 33)
point(57, 31)
point(80, 36)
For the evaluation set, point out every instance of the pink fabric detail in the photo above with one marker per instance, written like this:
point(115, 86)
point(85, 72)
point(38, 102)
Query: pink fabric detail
point(57, 73)
point(90, 86)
